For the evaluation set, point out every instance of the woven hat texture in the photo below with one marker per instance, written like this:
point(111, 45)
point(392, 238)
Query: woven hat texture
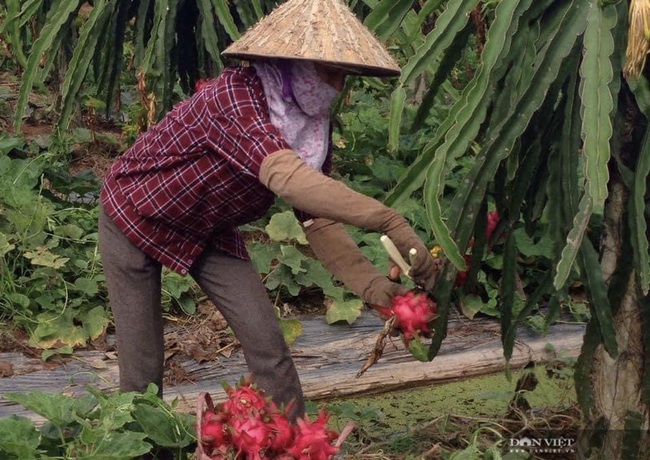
point(325, 31)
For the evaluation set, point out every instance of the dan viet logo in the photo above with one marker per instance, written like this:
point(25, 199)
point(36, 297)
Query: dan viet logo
point(559, 445)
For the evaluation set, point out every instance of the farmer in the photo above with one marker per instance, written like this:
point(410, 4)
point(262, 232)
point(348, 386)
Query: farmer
point(217, 161)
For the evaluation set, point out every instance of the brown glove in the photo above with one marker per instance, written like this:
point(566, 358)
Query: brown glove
point(338, 252)
point(290, 178)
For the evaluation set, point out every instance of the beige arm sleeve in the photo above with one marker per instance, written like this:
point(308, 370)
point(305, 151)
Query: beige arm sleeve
point(289, 177)
point(341, 256)
point(302, 187)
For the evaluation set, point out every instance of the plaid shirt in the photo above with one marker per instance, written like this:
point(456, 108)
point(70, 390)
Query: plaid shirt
point(194, 177)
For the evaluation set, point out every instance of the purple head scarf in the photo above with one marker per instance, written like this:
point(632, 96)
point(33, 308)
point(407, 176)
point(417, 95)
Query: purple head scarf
point(299, 104)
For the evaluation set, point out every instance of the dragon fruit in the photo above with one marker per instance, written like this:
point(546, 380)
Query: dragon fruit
point(249, 426)
point(413, 312)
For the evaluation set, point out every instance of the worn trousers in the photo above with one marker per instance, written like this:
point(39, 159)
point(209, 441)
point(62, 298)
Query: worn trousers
point(134, 287)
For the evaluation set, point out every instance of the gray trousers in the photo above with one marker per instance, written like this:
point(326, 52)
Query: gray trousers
point(233, 285)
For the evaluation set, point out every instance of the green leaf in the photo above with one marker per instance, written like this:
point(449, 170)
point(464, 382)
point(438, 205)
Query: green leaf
point(64, 350)
point(19, 438)
point(59, 409)
point(637, 206)
point(162, 426)
point(292, 258)
point(597, 294)
point(281, 275)
point(344, 310)
point(386, 16)
point(55, 21)
point(530, 248)
point(95, 321)
point(571, 21)
point(598, 101)
point(43, 257)
point(285, 227)
point(263, 255)
point(448, 24)
point(225, 18)
point(469, 113)
point(419, 350)
point(291, 330)
point(86, 285)
point(396, 109)
point(507, 287)
point(56, 329)
point(119, 445)
point(5, 245)
point(69, 231)
point(584, 366)
point(208, 32)
point(91, 32)
point(316, 274)
point(471, 305)
point(573, 242)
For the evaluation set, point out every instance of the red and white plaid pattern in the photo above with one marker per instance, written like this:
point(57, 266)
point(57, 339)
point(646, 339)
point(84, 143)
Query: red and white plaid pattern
point(194, 177)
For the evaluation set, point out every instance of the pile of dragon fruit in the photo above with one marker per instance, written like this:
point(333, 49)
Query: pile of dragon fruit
point(249, 426)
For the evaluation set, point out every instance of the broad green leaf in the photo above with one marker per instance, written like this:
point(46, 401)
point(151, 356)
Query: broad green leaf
point(54, 330)
point(19, 438)
point(291, 330)
point(292, 258)
point(64, 350)
point(285, 227)
point(263, 254)
point(471, 305)
point(5, 244)
point(598, 101)
point(55, 407)
point(95, 321)
point(529, 248)
point(316, 274)
point(282, 275)
point(161, 426)
point(69, 231)
point(9, 143)
point(344, 310)
point(18, 299)
point(86, 285)
point(43, 257)
point(118, 445)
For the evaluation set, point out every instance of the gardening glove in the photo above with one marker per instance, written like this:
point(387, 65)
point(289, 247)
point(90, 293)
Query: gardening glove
point(341, 256)
point(306, 189)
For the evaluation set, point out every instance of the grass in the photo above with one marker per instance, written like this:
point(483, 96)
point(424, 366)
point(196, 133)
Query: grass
point(467, 419)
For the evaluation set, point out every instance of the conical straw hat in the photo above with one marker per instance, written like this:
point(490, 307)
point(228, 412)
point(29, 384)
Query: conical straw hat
point(324, 31)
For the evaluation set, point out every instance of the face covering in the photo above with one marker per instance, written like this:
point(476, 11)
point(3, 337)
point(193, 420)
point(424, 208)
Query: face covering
point(299, 106)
